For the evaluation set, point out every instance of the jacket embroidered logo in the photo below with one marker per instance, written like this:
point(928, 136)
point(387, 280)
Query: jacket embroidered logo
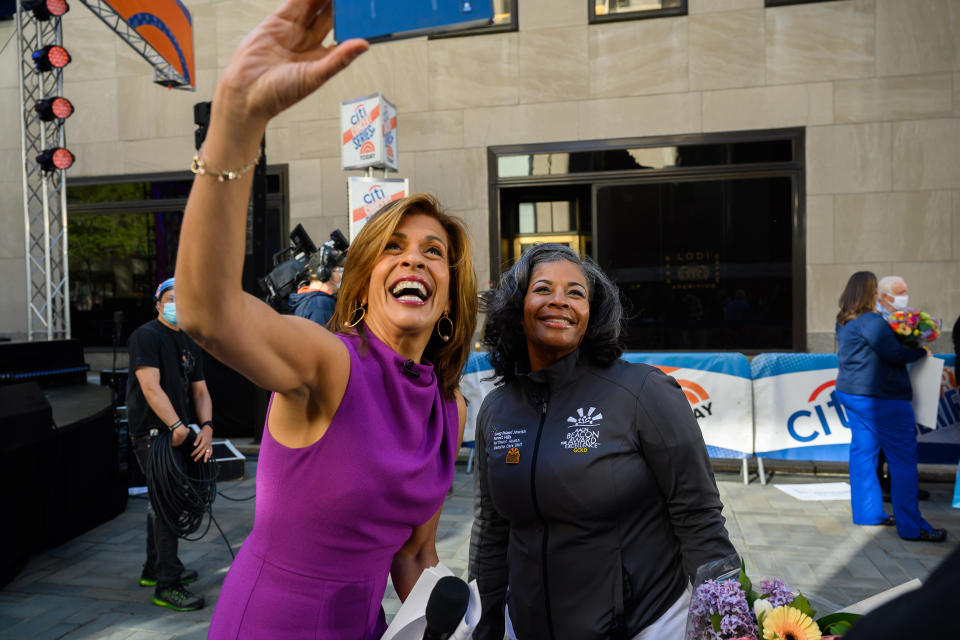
point(582, 438)
point(513, 456)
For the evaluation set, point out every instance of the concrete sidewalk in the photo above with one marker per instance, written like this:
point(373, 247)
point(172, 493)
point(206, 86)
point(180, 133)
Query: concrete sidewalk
point(87, 588)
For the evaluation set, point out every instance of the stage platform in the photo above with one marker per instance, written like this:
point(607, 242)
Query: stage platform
point(59, 451)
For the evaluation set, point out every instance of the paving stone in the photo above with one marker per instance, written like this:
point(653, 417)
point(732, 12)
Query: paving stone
point(86, 588)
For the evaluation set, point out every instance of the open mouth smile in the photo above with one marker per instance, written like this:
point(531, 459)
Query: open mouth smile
point(557, 322)
point(411, 290)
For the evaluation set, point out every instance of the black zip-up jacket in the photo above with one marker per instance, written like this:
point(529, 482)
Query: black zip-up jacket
point(596, 502)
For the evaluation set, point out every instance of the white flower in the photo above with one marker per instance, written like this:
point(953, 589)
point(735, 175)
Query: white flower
point(761, 607)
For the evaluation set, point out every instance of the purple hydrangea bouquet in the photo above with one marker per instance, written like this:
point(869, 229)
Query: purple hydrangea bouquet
point(730, 609)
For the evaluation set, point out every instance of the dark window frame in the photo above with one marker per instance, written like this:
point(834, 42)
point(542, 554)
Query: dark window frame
point(786, 3)
point(513, 25)
point(643, 14)
point(794, 168)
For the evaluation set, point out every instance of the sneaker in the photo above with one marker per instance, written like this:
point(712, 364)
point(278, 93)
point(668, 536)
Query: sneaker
point(147, 579)
point(177, 598)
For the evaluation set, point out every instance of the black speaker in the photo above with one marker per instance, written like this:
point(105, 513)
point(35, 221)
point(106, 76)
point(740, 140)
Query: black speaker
point(25, 416)
point(26, 429)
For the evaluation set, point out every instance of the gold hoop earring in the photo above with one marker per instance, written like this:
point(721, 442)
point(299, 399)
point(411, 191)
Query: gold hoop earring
point(445, 338)
point(363, 313)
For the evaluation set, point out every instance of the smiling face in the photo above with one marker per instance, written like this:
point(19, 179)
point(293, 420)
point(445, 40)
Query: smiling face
point(409, 287)
point(556, 311)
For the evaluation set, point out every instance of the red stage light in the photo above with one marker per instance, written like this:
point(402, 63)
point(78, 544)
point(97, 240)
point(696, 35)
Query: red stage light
point(45, 9)
point(52, 108)
point(58, 57)
point(56, 158)
point(51, 56)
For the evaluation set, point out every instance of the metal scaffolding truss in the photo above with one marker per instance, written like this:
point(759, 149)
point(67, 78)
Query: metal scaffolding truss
point(163, 72)
point(44, 194)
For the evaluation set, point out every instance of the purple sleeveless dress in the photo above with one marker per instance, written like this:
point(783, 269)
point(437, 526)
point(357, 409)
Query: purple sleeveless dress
point(330, 516)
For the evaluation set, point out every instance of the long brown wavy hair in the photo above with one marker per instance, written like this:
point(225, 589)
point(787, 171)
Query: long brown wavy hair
point(857, 296)
point(448, 358)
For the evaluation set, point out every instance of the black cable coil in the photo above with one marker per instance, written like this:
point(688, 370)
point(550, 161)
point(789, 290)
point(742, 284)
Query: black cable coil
point(181, 489)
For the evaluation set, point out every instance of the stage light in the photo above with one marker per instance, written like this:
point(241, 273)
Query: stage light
point(46, 9)
point(51, 56)
point(53, 108)
point(55, 158)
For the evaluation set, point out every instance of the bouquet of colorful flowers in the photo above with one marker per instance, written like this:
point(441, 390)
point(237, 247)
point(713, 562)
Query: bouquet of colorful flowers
point(732, 610)
point(914, 327)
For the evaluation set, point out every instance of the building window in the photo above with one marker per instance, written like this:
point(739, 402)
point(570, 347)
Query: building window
point(782, 3)
point(504, 19)
point(703, 234)
point(612, 10)
point(124, 232)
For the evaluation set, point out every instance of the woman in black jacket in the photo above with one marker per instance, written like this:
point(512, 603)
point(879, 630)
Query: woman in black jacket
point(596, 502)
point(874, 388)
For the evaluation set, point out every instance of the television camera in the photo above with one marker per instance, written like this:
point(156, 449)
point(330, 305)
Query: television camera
point(294, 264)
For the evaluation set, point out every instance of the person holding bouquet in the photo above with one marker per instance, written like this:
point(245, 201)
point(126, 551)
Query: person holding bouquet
point(874, 389)
point(596, 503)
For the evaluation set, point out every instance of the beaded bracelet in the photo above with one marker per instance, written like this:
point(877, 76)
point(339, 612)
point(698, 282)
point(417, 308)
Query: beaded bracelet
point(198, 166)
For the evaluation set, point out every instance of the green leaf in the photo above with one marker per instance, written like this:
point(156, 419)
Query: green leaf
point(838, 628)
point(746, 585)
point(828, 621)
point(715, 621)
point(803, 605)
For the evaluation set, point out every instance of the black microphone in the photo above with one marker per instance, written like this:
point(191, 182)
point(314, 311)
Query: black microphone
point(408, 369)
point(446, 607)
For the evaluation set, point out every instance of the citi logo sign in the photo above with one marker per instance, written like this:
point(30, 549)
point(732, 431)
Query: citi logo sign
point(375, 194)
point(359, 114)
point(801, 425)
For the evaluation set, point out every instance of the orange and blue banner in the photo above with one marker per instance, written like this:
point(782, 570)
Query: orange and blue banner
point(166, 25)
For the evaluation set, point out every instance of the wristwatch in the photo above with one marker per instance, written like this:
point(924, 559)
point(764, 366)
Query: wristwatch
point(208, 423)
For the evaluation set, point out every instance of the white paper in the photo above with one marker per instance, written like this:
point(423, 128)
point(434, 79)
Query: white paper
point(925, 376)
point(874, 601)
point(817, 491)
point(411, 621)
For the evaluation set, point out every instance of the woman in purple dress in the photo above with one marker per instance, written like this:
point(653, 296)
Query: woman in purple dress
point(365, 420)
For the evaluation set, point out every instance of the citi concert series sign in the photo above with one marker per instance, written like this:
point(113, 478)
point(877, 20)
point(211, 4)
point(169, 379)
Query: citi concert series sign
point(368, 133)
point(366, 196)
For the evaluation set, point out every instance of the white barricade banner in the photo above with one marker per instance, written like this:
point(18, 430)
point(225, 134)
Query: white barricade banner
point(949, 411)
point(475, 387)
point(797, 415)
point(795, 409)
point(719, 390)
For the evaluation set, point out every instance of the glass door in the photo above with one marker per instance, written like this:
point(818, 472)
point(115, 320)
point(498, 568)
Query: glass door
point(703, 263)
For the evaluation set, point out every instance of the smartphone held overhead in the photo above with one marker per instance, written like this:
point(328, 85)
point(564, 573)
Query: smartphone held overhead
point(385, 20)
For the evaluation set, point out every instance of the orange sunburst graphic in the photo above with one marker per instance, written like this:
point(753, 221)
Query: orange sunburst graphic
point(694, 392)
point(368, 147)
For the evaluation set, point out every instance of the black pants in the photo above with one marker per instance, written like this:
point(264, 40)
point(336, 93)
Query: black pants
point(162, 560)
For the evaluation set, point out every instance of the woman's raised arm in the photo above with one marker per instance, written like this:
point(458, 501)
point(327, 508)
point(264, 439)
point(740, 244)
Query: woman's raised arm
point(279, 63)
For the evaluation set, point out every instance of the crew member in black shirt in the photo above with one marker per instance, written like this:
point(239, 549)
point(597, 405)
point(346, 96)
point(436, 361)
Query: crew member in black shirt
point(166, 390)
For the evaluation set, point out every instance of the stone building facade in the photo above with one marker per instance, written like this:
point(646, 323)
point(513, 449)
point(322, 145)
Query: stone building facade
point(874, 85)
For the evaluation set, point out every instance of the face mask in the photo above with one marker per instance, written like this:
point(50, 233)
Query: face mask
point(170, 313)
point(900, 302)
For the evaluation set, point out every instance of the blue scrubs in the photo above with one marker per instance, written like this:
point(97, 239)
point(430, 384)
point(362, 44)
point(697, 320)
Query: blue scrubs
point(882, 423)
